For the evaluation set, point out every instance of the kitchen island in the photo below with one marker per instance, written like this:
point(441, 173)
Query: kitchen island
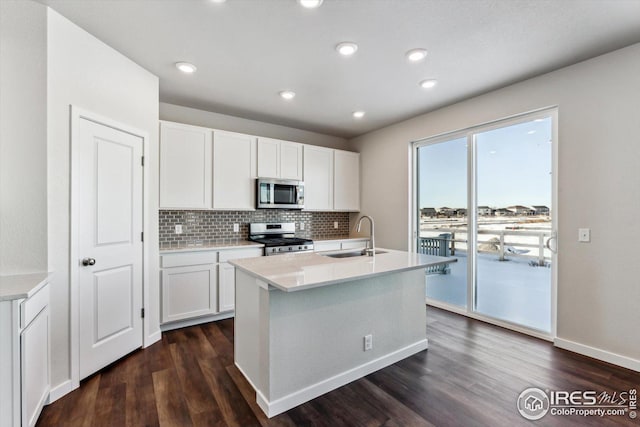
point(308, 323)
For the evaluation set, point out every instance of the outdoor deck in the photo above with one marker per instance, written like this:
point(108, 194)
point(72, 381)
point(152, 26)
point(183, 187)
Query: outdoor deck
point(511, 290)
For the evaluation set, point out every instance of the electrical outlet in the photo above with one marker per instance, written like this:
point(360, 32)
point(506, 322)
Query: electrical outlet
point(335, 224)
point(368, 342)
point(236, 228)
point(302, 226)
point(584, 235)
point(178, 228)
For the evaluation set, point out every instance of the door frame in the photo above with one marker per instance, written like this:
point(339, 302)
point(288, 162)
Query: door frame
point(472, 211)
point(77, 114)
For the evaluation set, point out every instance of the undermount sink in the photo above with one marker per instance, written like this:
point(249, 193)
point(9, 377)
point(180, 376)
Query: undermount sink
point(350, 254)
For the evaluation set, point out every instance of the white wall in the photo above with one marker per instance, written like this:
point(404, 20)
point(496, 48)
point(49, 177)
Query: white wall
point(599, 187)
point(23, 137)
point(192, 116)
point(85, 72)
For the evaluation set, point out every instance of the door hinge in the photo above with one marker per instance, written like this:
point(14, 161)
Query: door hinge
point(142, 160)
point(142, 313)
point(142, 236)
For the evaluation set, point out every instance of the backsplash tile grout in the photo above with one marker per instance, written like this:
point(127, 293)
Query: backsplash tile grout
point(208, 227)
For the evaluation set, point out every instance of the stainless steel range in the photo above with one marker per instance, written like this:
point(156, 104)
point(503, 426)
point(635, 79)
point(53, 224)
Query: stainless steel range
point(278, 238)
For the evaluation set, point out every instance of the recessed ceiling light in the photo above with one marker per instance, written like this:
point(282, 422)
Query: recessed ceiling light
point(415, 55)
point(347, 48)
point(218, 1)
point(531, 132)
point(186, 67)
point(310, 4)
point(358, 114)
point(429, 83)
point(287, 94)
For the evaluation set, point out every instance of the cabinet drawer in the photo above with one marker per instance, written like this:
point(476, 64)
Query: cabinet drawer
point(190, 258)
point(357, 244)
point(240, 253)
point(30, 307)
point(326, 246)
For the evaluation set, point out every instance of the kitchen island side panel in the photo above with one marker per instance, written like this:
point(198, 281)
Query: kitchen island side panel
point(319, 333)
point(247, 328)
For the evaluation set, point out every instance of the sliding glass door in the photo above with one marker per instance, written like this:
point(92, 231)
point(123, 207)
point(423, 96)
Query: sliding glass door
point(485, 196)
point(442, 217)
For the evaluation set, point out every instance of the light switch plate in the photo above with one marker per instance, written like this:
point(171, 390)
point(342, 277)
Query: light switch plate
point(335, 224)
point(178, 228)
point(584, 235)
point(236, 228)
point(302, 226)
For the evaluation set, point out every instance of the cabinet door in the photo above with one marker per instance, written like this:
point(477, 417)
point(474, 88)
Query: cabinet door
point(268, 158)
point(34, 349)
point(291, 160)
point(227, 286)
point(234, 171)
point(189, 292)
point(346, 190)
point(185, 166)
point(318, 178)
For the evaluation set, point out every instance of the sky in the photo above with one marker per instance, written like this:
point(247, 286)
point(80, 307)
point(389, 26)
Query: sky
point(514, 166)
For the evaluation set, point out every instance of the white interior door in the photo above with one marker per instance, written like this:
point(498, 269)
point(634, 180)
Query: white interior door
point(109, 244)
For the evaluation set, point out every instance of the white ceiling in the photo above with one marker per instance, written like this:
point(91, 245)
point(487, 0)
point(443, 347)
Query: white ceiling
point(247, 51)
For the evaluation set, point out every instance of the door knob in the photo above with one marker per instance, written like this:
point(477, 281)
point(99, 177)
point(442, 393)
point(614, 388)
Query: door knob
point(88, 261)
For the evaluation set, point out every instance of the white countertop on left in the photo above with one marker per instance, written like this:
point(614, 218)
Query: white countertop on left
point(21, 285)
point(294, 272)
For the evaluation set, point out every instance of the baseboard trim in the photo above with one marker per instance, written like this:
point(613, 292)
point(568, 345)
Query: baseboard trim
point(596, 353)
point(59, 391)
point(299, 397)
point(246, 377)
point(197, 321)
point(153, 338)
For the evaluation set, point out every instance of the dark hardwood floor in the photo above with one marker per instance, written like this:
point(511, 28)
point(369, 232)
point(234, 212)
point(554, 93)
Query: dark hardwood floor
point(471, 375)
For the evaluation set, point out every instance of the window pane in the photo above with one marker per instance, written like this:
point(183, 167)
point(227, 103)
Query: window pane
point(442, 201)
point(514, 220)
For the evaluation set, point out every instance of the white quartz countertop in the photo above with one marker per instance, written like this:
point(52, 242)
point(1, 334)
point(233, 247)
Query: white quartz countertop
point(239, 244)
point(21, 285)
point(294, 272)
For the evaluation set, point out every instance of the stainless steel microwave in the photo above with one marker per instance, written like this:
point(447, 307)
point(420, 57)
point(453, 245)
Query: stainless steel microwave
point(280, 194)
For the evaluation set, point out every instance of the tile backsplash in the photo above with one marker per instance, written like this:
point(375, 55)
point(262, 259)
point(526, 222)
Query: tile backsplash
point(203, 227)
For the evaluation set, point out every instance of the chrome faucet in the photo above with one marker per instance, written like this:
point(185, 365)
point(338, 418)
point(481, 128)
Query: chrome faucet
point(369, 251)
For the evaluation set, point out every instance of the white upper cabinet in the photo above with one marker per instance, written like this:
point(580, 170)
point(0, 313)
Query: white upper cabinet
point(346, 191)
point(318, 178)
point(234, 171)
point(185, 166)
point(291, 160)
point(279, 159)
point(268, 158)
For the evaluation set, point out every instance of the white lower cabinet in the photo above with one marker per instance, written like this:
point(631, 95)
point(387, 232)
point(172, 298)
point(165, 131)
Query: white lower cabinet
point(24, 358)
point(227, 274)
point(189, 292)
point(227, 286)
point(200, 283)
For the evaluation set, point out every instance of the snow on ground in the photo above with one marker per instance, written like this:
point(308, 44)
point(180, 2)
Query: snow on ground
point(509, 290)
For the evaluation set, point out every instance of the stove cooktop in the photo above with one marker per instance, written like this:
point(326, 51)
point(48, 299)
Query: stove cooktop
point(281, 241)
